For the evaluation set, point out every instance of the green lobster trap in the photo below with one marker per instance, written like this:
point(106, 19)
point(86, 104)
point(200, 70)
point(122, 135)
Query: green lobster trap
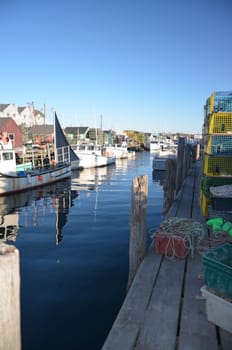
point(217, 265)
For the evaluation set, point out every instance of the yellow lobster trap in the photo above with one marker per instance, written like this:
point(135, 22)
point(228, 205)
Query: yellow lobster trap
point(219, 123)
point(205, 202)
point(214, 165)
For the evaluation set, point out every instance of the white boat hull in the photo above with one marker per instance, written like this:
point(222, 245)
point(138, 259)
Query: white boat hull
point(117, 151)
point(161, 157)
point(94, 161)
point(14, 183)
point(91, 156)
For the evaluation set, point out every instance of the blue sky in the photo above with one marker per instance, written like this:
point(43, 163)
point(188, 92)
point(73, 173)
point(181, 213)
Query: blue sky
point(147, 65)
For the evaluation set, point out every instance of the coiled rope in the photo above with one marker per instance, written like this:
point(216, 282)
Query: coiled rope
point(187, 232)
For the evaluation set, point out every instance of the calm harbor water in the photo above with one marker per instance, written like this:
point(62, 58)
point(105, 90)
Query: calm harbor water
point(73, 240)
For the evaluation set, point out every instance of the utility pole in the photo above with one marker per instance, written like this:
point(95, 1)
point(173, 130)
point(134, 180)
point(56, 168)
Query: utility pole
point(44, 113)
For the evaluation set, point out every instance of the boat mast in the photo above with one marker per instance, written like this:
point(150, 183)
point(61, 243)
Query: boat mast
point(101, 130)
point(54, 133)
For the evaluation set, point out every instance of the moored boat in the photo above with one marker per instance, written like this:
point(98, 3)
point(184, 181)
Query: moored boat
point(15, 179)
point(160, 158)
point(118, 150)
point(92, 156)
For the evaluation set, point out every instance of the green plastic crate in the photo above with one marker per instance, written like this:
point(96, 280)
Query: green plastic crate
point(211, 181)
point(217, 265)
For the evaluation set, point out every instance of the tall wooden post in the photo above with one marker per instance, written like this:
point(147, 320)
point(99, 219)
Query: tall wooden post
point(187, 161)
point(198, 151)
point(180, 161)
point(137, 245)
point(169, 185)
point(10, 329)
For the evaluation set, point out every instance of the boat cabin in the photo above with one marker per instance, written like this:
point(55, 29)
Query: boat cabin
point(7, 162)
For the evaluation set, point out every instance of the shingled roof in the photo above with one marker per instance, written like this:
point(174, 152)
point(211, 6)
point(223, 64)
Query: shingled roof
point(3, 106)
point(3, 121)
point(20, 109)
point(41, 129)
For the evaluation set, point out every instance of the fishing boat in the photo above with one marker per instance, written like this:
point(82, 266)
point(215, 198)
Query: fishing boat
point(92, 156)
point(15, 179)
point(118, 150)
point(158, 144)
point(155, 145)
point(161, 157)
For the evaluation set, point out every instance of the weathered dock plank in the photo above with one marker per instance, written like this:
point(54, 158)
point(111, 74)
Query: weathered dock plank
point(126, 327)
point(195, 330)
point(161, 321)
point(182, 205)
point(225, 339)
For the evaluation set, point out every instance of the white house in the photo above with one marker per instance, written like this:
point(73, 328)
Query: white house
point(26, 115)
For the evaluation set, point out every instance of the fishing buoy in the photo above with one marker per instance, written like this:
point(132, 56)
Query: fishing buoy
point(217, 227)
point(213, 221)
point(230, 232)
point(227, 226)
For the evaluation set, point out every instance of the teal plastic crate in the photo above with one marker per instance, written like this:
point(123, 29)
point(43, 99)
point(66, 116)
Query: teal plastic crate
point(217, 265)
point(223, 102)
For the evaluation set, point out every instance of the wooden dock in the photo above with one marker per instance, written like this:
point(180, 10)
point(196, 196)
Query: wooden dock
point(164, 308)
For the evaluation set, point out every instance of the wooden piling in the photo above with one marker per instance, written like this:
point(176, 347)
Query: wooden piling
point(180, 161)
point(10, 329)
point(137, 245)
point(169, 188)
point(176, 172)
point(198, 151)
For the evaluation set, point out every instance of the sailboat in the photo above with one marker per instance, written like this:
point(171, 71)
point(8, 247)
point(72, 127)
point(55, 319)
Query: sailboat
point(13, 180)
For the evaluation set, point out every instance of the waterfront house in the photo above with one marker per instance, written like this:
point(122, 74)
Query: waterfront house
point(22, 115)
point(14, 131)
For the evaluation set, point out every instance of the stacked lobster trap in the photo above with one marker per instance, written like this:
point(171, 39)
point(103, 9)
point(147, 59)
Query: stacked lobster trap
point(217, 147)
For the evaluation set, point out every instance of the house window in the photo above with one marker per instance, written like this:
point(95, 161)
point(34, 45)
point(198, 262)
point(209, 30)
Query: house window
point(11, 137)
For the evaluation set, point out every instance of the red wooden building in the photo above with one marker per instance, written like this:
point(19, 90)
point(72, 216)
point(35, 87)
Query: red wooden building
point(14, 132)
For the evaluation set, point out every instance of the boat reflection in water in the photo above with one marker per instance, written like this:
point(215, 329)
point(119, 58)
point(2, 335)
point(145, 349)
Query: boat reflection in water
point(159, 176)
point(9, 227)
point(57, 197)
point(26, 209)
point(90, 179)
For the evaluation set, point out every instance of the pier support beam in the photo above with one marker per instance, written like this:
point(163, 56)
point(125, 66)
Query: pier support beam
point(137, 247)
point(10, 329)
